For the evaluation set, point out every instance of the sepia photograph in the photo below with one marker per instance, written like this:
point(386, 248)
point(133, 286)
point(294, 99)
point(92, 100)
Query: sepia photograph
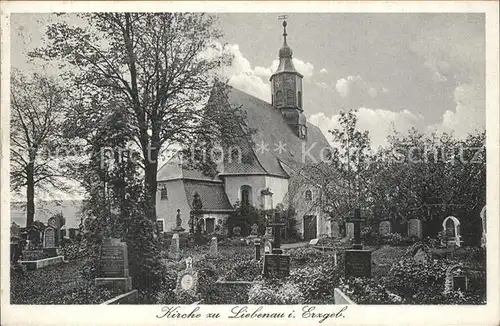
point(248, 159)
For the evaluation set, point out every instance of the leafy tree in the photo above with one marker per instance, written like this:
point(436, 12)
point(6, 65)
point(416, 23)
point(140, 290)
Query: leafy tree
point(38, 109)
point(151, 64)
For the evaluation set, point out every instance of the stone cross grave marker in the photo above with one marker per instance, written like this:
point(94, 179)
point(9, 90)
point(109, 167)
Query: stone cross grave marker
point(357, 262)
point(415, 228)
point(49, 237)
point(276, 264)
point(113, 265)
point(384, 228)
point(213, 251)
point(356, 220)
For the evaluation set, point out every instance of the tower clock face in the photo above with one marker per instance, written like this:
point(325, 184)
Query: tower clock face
point(288, 81)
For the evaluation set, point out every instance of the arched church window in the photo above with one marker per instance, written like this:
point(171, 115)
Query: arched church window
point(308, 195)
point(300, 99)
point(289, 97)
point(163, 192)
point(279, 98)
point(246, 196)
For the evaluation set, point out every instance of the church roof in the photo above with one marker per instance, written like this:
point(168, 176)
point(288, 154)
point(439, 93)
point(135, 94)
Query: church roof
point(266, 156)
point(271, 131)
point(212, 195)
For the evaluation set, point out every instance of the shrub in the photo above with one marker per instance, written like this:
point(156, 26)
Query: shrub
point(317, 282)
point(394, 239)
point(306, 255)
point(244, 271)
point(367, 291)
point(417, 282)
point(369, 236)
point(270, 292)
point(233, 242)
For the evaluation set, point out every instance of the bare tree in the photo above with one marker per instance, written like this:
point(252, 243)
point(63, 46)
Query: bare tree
point(37, 108)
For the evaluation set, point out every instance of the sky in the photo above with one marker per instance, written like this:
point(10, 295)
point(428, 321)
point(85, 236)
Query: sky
point(398, 70)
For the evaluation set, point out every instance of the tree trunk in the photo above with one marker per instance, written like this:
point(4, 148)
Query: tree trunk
point(151, 172)
point(30, 195)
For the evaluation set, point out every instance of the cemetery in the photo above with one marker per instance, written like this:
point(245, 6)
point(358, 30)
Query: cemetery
point(241, 270)
point(288, 212)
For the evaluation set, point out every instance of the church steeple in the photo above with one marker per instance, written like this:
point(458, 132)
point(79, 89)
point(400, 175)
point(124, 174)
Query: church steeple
point(286, 87)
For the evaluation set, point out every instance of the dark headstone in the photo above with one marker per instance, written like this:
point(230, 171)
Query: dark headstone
point(114, 260)
point(276, 265)
point(113, 265)
point(358, 263)
point(460, 283)
point(257, 251)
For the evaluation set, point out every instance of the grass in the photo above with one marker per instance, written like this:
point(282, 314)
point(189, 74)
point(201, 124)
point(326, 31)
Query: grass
point(61, 284)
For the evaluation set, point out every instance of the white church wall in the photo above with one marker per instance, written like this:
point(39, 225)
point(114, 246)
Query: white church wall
point(234, 183)
point(279, 188)
point(166, 209)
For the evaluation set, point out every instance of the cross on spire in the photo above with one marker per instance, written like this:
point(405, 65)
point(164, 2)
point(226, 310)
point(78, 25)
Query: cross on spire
point(284, 17)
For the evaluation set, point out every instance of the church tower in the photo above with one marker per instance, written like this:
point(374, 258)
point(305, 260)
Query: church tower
point(286, 88)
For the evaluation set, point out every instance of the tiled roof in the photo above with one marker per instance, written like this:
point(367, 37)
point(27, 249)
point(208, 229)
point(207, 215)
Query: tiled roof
point(212, 195)
point(271, 130)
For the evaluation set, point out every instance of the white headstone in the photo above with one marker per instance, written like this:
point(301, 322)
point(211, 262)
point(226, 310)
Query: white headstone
point(451, 227)
point(350, 230)
point(415, 228)
point(213, 248)
point(384, 228)
point(313, 242)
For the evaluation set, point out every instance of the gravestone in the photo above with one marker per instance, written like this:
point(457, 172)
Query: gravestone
point(174, 247)
point(451, 227)
point(255, 229)
point(187, 280)
point(415, 228)
point(15, 246)
point(483, 227)
point(384, 228)
point(334, 229)
point(113, 265)
point(276, 265)
point(455, 280)
point(49, 237)
point(267, 246)
point(213, 252)
point(313, 242)
point(357, 262)
point(257, 250)
point(349, 230)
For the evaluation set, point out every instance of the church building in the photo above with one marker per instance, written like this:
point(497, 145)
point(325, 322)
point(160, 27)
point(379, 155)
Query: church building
point(284, 142)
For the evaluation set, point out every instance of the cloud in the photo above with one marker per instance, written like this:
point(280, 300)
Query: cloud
point(344, 85)
point(469, 115)
point(254, 81)
point(373, 92)
point(379, 123)
point(323, 71)
point(322, 85)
